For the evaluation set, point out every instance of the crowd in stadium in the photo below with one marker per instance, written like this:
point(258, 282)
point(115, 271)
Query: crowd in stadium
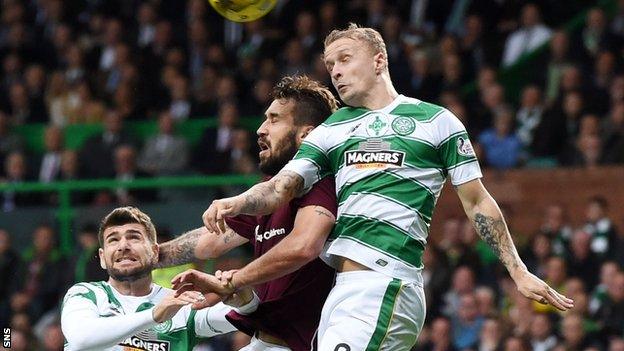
point(111, 62)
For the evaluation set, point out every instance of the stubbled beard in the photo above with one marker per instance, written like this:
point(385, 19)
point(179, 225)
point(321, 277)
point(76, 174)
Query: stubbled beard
point(285, 151)
point(131, 276)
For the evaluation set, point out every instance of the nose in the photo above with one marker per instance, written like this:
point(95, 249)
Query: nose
point(262, 130)
point(123, 245)
point(336, 73)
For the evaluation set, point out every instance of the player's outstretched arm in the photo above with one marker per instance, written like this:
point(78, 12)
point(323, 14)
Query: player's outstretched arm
point(304, 243)
point(488, 220)
point(263, 198)
point(198, 243)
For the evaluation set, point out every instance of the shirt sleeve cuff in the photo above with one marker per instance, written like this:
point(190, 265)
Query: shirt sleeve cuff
point(250, 307)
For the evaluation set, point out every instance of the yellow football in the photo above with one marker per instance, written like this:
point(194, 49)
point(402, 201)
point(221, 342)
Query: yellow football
point(243, 10)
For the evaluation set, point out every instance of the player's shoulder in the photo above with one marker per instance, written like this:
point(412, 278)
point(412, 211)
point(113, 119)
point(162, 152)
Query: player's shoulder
point(88, 290)
point(344, 115)
point(421, 111)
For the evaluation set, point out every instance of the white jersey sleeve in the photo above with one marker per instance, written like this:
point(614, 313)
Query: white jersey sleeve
point(85, 329)
point(211, 321)
point(311, 161)
point(454, 149)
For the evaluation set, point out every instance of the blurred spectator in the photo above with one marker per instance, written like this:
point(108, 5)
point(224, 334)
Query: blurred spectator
point(516, 343)
point(616, 344)
point(436, 276)
point(82, 107)
point(458, 252)
point(241, 159)
point(441, 336)
point(595, 35)
point(462, 283)
point(600, 227)
point(35, 81)
point(530, 114)
point(19, 341)
point(20, 107)
point(610, 315)
point(582, 262)
point(532, 34)
point(50, 164)
point(9, 141)
point(486, 302)
point(96, 155)
point(164, 153)
point(573, 334)
point(212, 155)
point(490, 336)
point(600, 84)
point(53, 339)
point(42, 272)
point(467, 323)
point(146, 21)
point(85, 265)
point(106, 52)
point(8, 261)
point(599, 295)
point(556, 272)
point(559, 57)
point(15, 169)
point(555, 225)
point(501, 145)
point(70, 166)
point(424, 84)
point(181, 106)
point(613, 134)
point(541, 334)
point(492, 97)
point(538, 253)
point(126, 170)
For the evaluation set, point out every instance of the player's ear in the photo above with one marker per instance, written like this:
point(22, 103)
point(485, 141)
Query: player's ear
point(303, 132)
point(156, 250)
point(102, 261)
point(380, 62)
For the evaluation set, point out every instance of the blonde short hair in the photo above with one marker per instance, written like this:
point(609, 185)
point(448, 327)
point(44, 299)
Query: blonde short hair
point(127, 215)
point(371, 37)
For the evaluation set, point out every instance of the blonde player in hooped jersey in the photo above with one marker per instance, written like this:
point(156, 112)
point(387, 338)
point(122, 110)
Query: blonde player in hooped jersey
point(390, 155)
point(129, 312)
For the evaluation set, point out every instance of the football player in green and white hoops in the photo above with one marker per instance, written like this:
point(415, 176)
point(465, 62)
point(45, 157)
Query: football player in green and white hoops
point(390, 155)
point(129, 312)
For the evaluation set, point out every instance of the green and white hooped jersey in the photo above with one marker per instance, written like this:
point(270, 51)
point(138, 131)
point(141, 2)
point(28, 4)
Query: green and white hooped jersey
point(85, 301)
point(390, 166)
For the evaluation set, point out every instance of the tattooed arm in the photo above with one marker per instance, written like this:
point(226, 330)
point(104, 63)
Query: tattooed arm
point(303, 244)
point(488, 220)
point(197, 244)
point(263, 198)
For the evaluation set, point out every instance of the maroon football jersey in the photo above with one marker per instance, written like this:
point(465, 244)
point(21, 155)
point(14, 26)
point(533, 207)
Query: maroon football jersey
point(290, 307)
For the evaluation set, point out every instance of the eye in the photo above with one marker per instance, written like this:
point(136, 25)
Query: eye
point(112, 240)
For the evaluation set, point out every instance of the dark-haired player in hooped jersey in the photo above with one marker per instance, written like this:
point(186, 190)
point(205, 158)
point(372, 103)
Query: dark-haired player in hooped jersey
point(291, 306)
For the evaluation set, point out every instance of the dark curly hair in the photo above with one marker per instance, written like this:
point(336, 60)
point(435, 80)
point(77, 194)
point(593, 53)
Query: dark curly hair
point(313, 101)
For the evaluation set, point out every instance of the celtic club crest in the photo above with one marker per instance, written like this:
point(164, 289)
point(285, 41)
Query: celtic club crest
point(403, 125)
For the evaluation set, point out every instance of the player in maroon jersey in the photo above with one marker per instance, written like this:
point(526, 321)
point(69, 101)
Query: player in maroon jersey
point(291, 305)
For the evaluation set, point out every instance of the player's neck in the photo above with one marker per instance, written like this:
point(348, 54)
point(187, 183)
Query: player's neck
point(381, 95)
point(139, 287)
